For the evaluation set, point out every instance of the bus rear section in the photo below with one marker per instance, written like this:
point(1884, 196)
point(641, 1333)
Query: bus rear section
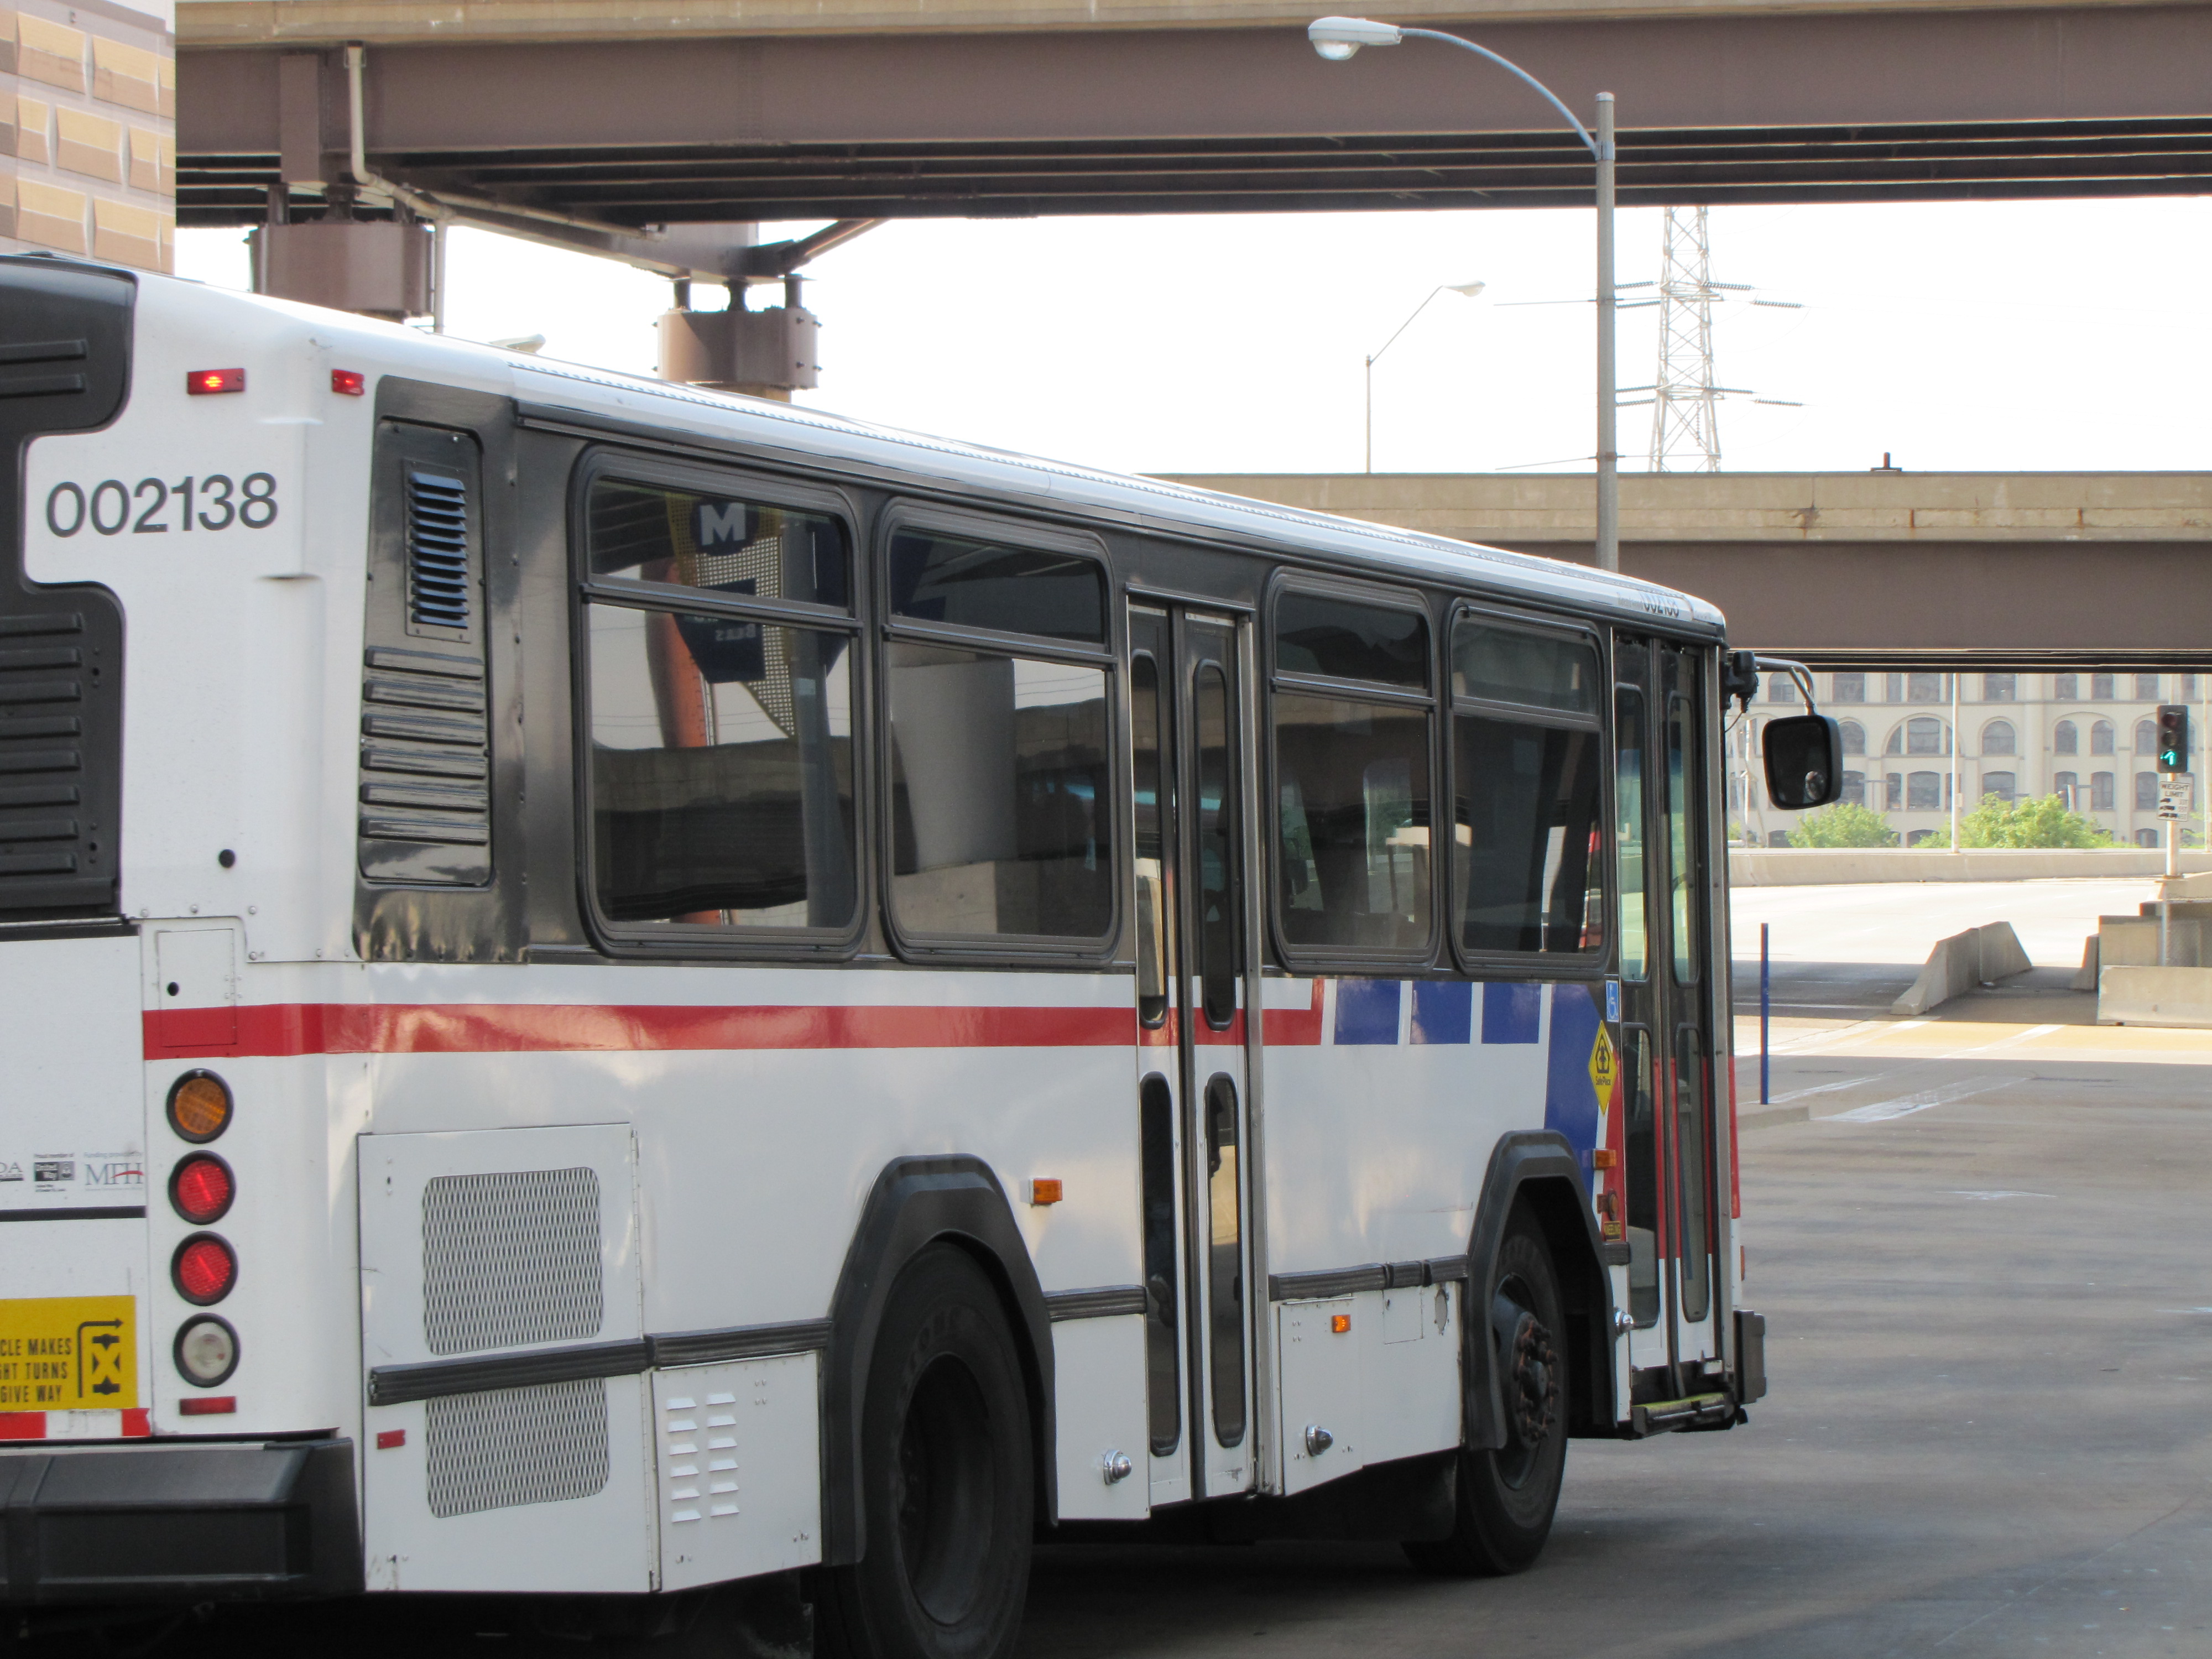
point(147, 1241)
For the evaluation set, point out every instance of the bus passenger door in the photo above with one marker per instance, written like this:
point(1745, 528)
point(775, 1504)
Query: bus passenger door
point(1667, 1069)
point(1191, 890)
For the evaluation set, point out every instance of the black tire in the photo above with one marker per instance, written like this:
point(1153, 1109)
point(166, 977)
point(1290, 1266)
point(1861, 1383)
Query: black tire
point(1507, 1497)
point(945, 1477)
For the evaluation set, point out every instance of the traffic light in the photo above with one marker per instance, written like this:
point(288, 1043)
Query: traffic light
point(2173, 737)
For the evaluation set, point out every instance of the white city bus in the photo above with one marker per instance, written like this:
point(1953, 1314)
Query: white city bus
point(611, 990)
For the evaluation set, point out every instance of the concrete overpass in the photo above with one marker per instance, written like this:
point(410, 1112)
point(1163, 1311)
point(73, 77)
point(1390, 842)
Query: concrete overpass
point(2100, 570)
point(639, 113)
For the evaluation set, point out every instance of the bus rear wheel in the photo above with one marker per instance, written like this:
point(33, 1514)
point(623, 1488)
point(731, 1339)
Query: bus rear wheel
point(1508, 1494)
point(945, 1477)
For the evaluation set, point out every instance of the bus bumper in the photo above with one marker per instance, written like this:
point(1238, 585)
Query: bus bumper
point(226, 1522)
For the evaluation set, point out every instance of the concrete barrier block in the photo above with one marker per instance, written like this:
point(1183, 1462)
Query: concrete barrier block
point(2154, 996)
point(2085, 976)
point(1805, 867)
point(2001, 953)
point(1980, 956)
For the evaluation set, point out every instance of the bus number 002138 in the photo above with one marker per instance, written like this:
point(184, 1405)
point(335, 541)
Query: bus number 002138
point(211, 501)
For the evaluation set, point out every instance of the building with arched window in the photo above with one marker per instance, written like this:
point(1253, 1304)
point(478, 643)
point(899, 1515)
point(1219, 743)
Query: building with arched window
point(2023, 748)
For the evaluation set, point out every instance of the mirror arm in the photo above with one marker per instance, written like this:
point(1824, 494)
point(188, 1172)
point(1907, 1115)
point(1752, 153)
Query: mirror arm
point(1797, 671)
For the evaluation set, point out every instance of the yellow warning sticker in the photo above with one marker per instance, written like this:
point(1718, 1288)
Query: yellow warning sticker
point(1603, 1067)
point(69, 1353)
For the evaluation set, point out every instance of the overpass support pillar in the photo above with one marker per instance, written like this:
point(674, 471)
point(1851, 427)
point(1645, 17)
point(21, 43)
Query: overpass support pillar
point(763, 354)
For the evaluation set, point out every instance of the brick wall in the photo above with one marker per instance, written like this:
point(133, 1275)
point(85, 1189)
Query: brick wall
point(89, 131)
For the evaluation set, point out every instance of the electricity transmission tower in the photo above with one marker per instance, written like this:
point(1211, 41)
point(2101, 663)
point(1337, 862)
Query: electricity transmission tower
point(1685, 429)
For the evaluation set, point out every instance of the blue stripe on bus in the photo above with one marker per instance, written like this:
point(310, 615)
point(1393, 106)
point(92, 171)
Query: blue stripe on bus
point(1510, 1013)
point(1367, 1010)
point(1570, 1104)
point(1444, 1011)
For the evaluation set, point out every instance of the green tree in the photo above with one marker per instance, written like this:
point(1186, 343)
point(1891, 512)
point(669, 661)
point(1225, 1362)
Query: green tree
point(1844, 824)
point(2036, 822)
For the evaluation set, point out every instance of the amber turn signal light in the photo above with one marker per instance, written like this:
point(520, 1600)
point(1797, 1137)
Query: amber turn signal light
point(199, 1107)
point(1044, 1192)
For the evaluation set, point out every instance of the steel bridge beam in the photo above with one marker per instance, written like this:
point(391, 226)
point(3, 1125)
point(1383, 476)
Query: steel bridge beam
point(1920, 104)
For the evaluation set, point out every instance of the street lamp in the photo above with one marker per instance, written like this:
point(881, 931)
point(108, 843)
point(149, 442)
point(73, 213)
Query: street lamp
point(1337, 38)
point(1468, 288)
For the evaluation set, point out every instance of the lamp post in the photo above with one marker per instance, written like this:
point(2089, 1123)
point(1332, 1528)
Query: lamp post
point(1468, 288)
point(1337, 38)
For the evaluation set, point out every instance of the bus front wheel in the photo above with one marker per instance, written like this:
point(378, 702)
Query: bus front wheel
point(945, 1477)
point(1508, 1494)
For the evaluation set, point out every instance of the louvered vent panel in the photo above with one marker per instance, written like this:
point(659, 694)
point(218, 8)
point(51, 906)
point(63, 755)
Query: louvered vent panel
point(43, 832)
point(543, 1445)
point(511, 1259)
point(65, 340)
point(425, 814)
point(43, 369)
point(437, 550)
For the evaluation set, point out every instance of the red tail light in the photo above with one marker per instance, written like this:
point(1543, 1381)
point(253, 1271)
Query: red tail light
point(204, 1269)
point(208, 1405)
point(205, 382)
point(349, 382)
point(202, 1187)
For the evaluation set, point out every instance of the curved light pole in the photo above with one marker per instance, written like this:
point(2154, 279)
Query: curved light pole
point(1373, 357)
point(1337, 38)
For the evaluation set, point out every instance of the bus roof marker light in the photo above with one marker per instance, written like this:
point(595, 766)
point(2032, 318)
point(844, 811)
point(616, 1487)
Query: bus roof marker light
point(199, 1107)
point(349, 382)
point(207, 382)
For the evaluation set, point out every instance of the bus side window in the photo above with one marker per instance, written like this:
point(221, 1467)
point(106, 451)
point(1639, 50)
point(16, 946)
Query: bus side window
point(1147, 750)
point(1628, 827)
point(1682, 862)
point(1350, 724)
point(1527, 755)
point(1642, 1149)
point(1002, 797)
point(721, 761)
point(1163, 1359)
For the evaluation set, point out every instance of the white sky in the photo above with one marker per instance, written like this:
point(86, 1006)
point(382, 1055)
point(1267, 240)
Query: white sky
point(2016, 336)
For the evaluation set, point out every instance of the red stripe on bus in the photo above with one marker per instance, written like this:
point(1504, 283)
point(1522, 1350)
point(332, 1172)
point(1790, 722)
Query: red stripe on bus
point(137, 1424)
point(1294, 1026)
point(460, 1028)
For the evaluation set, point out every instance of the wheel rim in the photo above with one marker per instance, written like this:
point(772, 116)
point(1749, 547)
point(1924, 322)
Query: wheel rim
point(947, 1488)
point(1528, 1377)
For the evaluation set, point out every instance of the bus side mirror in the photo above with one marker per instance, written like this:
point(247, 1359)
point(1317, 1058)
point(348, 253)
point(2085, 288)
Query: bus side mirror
point(1804, 761)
